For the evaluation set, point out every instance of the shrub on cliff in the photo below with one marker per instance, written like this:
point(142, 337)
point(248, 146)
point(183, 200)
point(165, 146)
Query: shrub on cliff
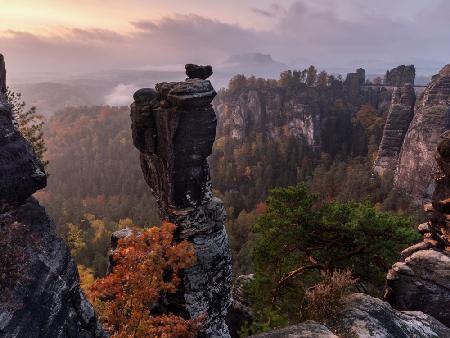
point(146, 266)
point(300, 237)
point(29, 123)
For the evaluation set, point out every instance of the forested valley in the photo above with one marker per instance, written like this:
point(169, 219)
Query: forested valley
point(96, 186)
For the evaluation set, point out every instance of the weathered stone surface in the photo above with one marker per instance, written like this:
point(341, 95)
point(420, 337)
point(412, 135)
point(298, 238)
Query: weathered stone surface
point(174, 128)
point(399, 118)
point(416, 167)
point(44, 298)
point(400, 76)
point(363, 316)
point(47, 300)
point(198, 72)
point(421, 280)
point(308, 329)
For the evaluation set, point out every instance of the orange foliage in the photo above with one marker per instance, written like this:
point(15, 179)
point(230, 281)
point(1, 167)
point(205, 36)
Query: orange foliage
point(146, 266)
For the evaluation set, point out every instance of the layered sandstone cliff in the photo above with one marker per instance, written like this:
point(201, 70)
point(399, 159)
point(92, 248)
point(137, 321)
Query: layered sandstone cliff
point(416, 167)
point(40, 292)
point(399, 117)
point(421, 280)
point(174, 128)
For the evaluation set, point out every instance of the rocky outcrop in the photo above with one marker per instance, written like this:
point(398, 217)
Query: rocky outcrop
point(174, 128)
point(400, 76)
point(40, 291)
point(416, 167)
point(363, 316)
point(398, 120)
point(421, 280)
point(239, 312)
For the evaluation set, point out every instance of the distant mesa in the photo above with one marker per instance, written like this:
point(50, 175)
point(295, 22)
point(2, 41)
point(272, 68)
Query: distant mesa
point(198, 72)
point(251, 58)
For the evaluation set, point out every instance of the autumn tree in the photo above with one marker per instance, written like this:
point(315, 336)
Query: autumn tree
point(29, 123)
point(146, 265)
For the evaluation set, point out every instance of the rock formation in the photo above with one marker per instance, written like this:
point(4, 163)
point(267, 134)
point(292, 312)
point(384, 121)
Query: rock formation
point(398, 120)
point(40, 294)
point(239, 312)
point(416, 166)
point(198, 72)
point(2, 75)
point(421, 280)
point(174, 128)
point(400, 76)
point(363, 316)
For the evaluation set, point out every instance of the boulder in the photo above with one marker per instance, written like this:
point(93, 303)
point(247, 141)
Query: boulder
point(366, 316)
point(198, 72)
point(363, 316)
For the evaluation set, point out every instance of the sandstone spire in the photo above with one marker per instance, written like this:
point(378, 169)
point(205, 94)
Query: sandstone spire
point(416, 167)
point(174, 128)
point(399, 117)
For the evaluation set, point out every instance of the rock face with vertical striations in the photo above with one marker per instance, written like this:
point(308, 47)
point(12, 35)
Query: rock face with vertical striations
point(416, 166)
point(421, 280)
point(400, 76)
point(398, 120)
point(40, 294)
point(174, 128)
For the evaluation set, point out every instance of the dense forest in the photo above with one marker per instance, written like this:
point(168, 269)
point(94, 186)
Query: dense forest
point(96, 185)
point(321, 168)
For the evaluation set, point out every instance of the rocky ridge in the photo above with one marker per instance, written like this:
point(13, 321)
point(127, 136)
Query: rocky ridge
point(174, 128)
point(421, 280)
point(40, 291)
point(363, 316)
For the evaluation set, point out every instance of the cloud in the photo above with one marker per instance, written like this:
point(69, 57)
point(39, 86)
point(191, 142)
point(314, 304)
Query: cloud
point(274, 10)
point(346, 34)
point(121, 95)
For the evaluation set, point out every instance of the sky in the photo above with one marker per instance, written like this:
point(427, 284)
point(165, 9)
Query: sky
point(82, 36)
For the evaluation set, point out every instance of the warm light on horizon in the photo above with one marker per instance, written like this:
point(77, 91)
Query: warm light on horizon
point(47, 17)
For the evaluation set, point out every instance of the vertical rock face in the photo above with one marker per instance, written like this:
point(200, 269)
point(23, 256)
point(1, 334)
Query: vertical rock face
point(40, 294)
point(400, 76)
point(2, 75)
point(416, 166)
point(421, 280)
point(399, 118)
point(174, 128)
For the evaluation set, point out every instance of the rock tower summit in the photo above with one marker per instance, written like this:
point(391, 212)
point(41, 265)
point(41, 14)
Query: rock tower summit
point(174, 128)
